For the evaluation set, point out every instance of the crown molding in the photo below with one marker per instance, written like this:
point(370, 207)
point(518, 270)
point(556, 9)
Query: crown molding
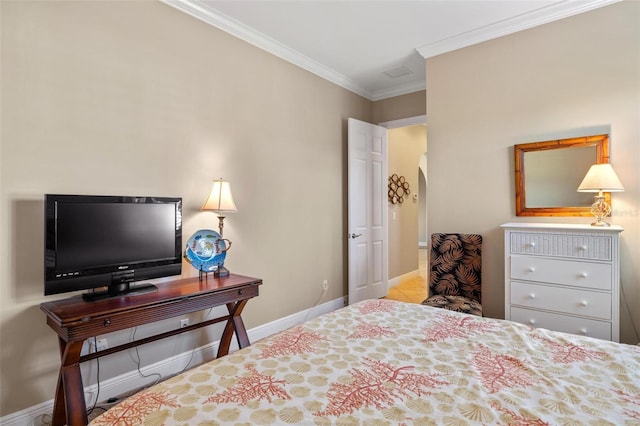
point(541, 16)
point(525, 21)
point(399, 90)
point(260, 40)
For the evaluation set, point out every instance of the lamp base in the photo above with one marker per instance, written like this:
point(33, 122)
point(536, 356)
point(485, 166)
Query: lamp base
point(600, 209)
point(221, 272)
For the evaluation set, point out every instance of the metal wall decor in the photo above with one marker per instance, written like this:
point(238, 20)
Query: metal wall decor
point(398, 188)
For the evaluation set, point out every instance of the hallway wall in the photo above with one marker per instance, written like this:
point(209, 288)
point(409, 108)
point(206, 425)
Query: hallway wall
point(407, 146)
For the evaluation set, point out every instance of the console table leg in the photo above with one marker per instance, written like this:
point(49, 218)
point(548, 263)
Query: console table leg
point(59, 415)
point(76, 408)
point(234, 323)
point(241, 332)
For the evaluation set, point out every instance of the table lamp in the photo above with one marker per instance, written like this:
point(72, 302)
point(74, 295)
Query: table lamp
point(220, 201)
point(600, 178)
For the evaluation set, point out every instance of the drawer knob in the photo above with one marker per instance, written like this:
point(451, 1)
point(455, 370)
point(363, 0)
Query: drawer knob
point(532, 244)
point(583, 247)
point(584, 303)
point(107, 322)
point(583, 275)
point(531, 269)
point(532, 295)
point(532, 321)
point(584, 331)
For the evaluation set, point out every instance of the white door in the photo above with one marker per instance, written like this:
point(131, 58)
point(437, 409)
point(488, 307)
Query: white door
point(368, 240)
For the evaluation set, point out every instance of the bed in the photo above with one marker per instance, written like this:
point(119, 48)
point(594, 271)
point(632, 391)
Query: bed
point(383, 362)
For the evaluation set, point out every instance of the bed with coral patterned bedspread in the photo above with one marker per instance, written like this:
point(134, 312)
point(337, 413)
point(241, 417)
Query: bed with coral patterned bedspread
point(385, 362)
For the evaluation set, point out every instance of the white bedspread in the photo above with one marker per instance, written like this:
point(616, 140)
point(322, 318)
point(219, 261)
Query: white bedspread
point(384, 362)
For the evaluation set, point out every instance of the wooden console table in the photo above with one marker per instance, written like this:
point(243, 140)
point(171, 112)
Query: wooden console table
point(76, 320)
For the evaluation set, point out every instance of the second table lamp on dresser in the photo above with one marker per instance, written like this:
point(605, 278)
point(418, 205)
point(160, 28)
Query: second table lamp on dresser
point(600, 178)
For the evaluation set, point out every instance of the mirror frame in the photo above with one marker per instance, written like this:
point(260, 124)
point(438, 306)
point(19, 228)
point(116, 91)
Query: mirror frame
point(601, 142)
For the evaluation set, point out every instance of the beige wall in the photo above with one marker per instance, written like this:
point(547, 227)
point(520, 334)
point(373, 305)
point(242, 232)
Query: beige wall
point(406, 146)
point(577, 75)
point(137, 98)
point(398, 107)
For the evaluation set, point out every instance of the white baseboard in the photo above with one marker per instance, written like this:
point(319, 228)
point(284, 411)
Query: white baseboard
point(38, 414)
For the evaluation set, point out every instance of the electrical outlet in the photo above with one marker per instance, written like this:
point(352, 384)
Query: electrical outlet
point(101, 345)
point(184, 322)
point(325, 285)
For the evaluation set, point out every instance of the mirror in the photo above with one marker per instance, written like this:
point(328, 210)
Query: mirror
point(548, 174)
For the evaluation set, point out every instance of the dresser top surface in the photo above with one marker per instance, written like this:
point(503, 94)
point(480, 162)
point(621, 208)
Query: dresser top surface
point(562, 227)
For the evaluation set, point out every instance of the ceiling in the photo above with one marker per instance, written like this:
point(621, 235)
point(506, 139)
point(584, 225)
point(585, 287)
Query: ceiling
point(375, 48)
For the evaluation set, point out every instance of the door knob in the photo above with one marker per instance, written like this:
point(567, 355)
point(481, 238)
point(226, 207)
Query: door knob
point(354, 235)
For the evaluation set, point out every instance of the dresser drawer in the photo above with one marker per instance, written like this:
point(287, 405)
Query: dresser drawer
point(562, 299)
point(562, 245)
point(574, 273)
point(567, 324)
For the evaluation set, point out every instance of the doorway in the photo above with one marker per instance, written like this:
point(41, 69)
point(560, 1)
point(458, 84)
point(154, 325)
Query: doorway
point(407, 146)
point(400, 218)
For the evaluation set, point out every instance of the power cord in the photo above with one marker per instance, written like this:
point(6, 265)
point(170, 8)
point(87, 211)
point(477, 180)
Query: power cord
point(138, 361)
point(186, 367)
point(194, 349)
point(105, 406)
point(159, 376)
point(306, 316)
point(43, 420)
point(95, 346)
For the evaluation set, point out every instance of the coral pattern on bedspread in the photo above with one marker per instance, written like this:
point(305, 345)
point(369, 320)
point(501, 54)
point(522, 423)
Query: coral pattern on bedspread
point(384, 362)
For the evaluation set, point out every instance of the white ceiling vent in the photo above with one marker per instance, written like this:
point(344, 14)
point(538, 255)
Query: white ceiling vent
point(398, 72)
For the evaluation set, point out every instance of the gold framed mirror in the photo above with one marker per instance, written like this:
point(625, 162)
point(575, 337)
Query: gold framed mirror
point(548, 174)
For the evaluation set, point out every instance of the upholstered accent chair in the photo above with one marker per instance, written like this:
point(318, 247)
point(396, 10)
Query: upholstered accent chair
point(455, 266)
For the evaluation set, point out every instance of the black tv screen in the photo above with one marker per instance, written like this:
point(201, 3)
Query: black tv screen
point(110, 241)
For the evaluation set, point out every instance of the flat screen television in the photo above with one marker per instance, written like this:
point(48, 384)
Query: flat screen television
point(95, 241)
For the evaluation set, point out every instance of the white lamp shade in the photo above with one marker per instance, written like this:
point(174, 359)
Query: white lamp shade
point(220, 200)
point(601, 177)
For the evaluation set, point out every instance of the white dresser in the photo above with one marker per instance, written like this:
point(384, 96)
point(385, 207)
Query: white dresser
point(563, 277)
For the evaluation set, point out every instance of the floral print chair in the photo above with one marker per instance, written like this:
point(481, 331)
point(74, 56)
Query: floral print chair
point(455, 272)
